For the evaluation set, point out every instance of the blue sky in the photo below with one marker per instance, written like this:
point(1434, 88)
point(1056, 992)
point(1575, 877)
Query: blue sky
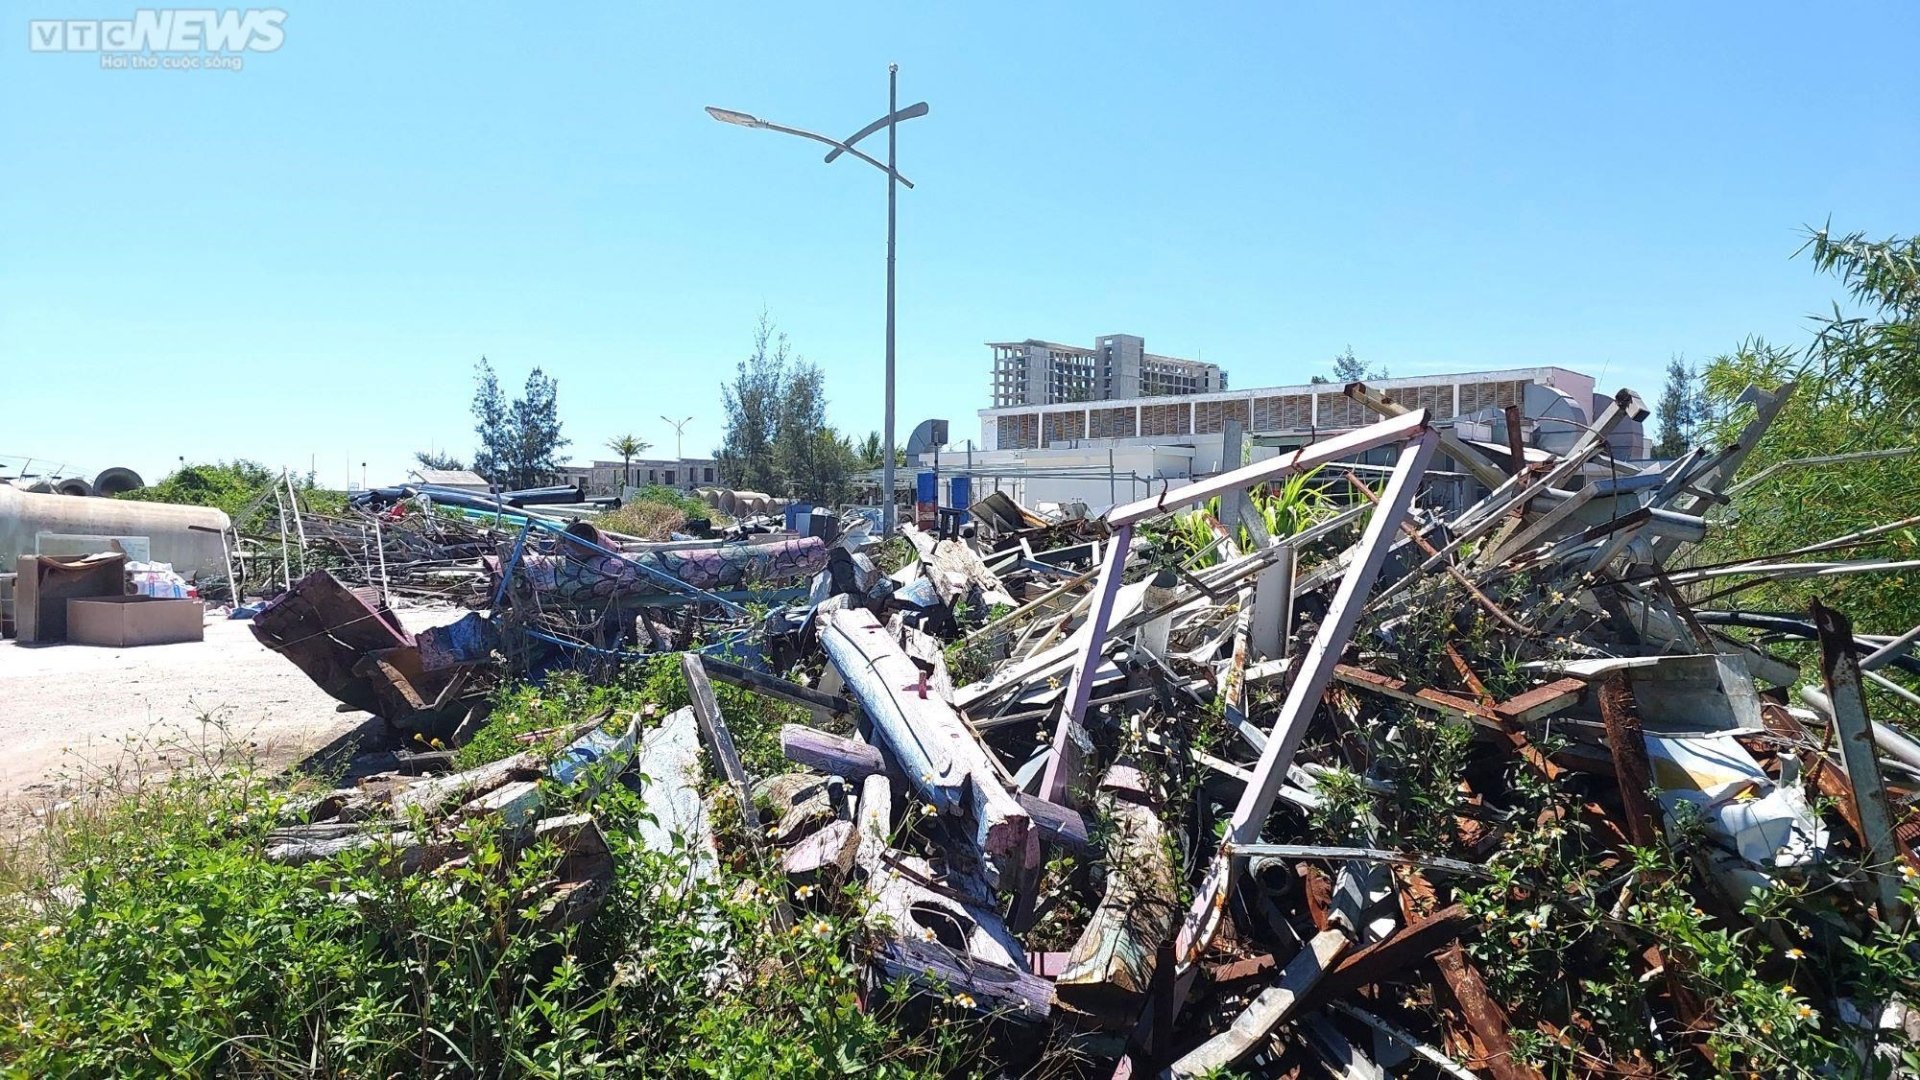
point(301, 261)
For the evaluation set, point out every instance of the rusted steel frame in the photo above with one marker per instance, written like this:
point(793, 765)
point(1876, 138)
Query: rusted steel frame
point(1504, 719)
point(1484, 1017)
point(1426, 547)
point(1516, 446)
point(1630, 764)
point(1305, 691)
point(1826, 776)
point(1840, 671)
point(1541, 700)
point(1467, 675)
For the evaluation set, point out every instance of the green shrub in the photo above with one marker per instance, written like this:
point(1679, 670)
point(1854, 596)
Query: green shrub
point(644, 518)
point(233, 487)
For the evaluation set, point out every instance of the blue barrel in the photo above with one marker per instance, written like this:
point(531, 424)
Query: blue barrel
point(960, 493)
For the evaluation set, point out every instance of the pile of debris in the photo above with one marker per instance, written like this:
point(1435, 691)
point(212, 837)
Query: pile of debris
point(1176, 792)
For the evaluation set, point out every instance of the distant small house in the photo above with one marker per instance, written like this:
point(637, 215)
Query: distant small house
point(464, 479)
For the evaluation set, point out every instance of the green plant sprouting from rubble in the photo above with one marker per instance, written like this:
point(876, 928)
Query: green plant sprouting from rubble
point(1285, 507)
point(154, 937)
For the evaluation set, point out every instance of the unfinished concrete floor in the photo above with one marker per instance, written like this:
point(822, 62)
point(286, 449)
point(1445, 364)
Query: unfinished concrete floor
point(74, 713)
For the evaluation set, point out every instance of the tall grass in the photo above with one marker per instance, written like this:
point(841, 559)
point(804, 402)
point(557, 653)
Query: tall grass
point(146, 934)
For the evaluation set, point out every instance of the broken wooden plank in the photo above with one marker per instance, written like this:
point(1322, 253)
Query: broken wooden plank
point(436, 794)
point(1110, 967)
point(1632, 768)
point(823, 859)
point(1486, 1019)
point(714, 726)
point(780, 689)
point(1840, 671)
point(1274, 1006)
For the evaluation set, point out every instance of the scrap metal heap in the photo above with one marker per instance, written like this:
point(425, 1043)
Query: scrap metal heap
point(1174, 791)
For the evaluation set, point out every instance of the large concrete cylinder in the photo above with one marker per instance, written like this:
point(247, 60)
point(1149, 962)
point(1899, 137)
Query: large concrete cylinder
point(174, 532)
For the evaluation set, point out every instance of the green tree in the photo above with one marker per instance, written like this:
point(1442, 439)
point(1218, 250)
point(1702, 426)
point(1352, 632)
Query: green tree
point(1348, 368)
point(1856, 387)
point(752, 403)
point(520, 442)
point(433, 459)
point(1677, 418)
point(490, 423)
point(869, 451)
point(628, 446)
point(777, 439)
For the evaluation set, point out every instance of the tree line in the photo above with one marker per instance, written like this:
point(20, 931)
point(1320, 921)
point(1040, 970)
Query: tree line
point(777, 438)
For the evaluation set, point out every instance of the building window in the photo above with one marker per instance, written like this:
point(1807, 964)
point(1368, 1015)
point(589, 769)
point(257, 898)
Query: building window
point(709, 473)
point(669, 477)
point(652, 478)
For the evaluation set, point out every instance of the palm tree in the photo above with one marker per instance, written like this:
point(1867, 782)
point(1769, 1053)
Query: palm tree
point(627, 446)
point(869, 451)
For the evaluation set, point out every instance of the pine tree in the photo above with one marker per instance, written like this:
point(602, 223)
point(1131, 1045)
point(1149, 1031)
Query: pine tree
point(1679, 402)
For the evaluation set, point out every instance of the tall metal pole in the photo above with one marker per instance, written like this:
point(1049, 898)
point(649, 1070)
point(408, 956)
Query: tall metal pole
point(888, 511)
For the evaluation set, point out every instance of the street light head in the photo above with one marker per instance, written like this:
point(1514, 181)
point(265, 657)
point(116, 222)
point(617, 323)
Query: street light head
point(728, 116)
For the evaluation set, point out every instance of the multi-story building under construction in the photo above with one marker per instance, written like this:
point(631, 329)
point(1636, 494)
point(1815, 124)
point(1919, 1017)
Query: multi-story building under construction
point(1034, 372)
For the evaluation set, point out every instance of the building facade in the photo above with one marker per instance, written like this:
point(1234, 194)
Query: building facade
point(1104, 451)
point(1118, 367)
point(604, 478)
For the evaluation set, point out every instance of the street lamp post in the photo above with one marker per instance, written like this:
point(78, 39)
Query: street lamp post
point(679, 433)
point(890, 121)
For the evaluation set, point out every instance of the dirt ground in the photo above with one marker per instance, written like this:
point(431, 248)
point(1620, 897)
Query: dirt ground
point(74, 713)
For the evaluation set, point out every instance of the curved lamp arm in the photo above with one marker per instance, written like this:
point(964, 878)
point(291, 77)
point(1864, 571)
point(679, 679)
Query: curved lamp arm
point(728, 116)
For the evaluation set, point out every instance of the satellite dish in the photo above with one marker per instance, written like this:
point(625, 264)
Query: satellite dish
point(931, 435)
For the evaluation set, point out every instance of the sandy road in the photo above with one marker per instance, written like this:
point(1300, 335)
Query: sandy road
point(69, 712)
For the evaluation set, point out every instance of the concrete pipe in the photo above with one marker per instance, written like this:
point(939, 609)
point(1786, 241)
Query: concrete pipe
point(74, 485)
point(116, 480)
point(186, 536)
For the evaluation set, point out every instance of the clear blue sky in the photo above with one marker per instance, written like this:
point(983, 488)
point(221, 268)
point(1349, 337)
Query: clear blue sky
point(304, 259)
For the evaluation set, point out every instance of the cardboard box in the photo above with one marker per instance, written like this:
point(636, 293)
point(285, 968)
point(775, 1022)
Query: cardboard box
point(45, 583)
point(121, 621)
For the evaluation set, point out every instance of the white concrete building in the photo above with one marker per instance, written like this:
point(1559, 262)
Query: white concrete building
point(1100, 452)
